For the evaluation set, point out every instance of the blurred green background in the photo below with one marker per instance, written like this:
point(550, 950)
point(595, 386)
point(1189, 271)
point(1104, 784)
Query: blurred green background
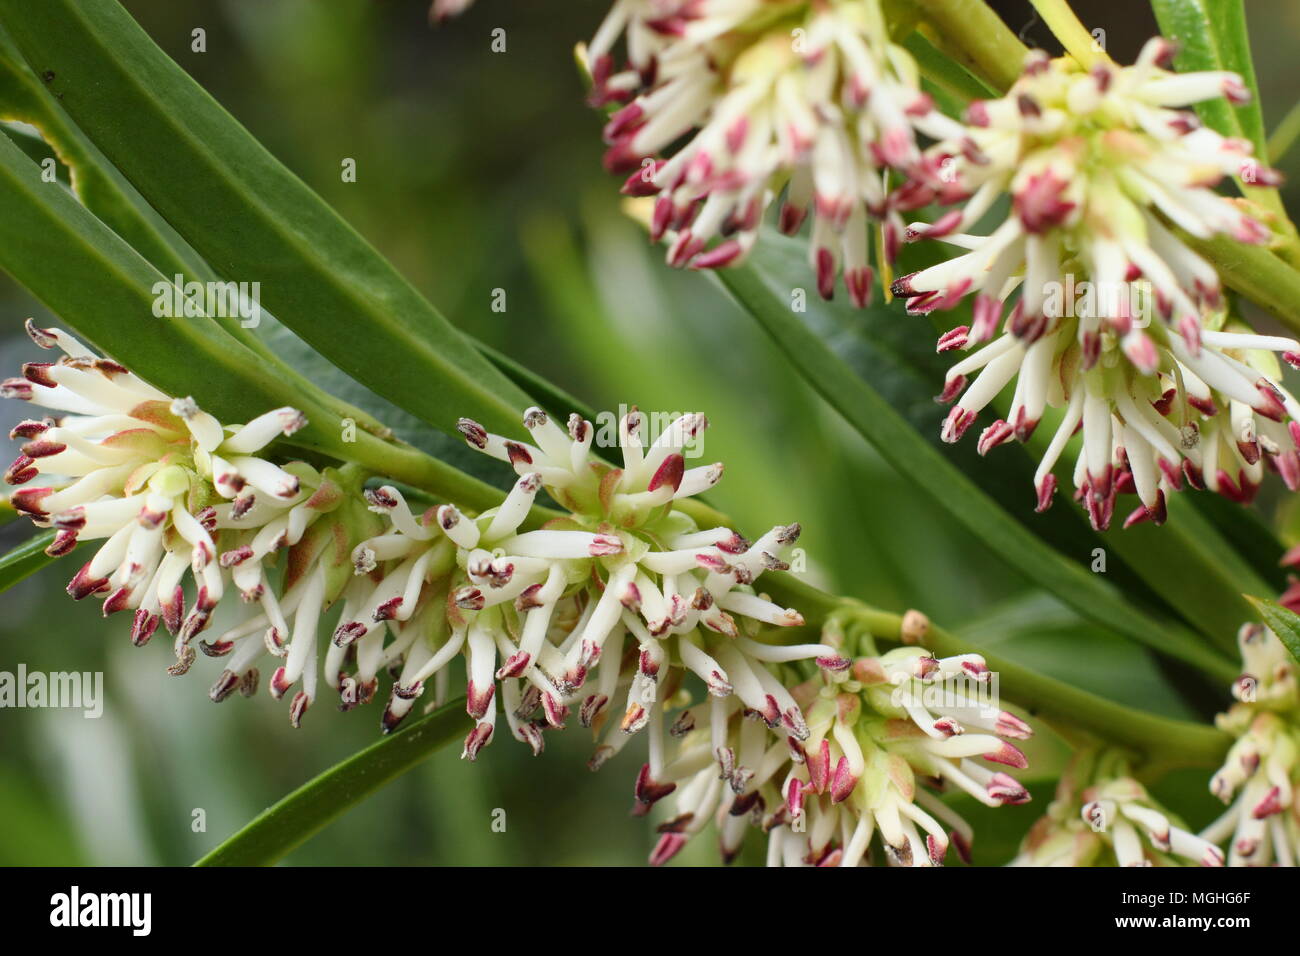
point(478, 171)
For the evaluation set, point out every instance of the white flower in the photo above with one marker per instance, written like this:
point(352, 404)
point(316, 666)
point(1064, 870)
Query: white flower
point(1258, 779)
point(878, 729)
point(282, 612)
point(1103, 817)
point(536, 609)
point(812, 99)
point(151, 475)
point(540, 610)
point(1115, 319)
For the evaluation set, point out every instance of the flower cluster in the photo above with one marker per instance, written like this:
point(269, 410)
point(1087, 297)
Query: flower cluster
point(623, 588)
point(169, 491)
point(1115, 319)
point(1258, 780)
point(1103, 817)
point(886, 734)
point(770, 95)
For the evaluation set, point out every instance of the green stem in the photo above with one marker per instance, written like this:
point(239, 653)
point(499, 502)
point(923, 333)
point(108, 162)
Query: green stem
point(291, 822)
point(411, 466)
point(1067, 28)
point(1162, 741)
point(1256, 273)
point(976, 37)
point(1284, 135)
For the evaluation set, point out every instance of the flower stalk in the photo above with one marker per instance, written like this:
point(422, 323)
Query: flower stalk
point(1074, 36)
point(976, 37)
point(1164, 742)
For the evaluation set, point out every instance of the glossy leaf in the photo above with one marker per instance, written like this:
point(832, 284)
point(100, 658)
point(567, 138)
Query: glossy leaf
point(47, 236)
point(1249, 536)
point(1282, 621)
point(957, 85)
point(25, 96)
point(1212, 36)
point(102, 189)
point(25, 560)
point(251, 218)
point(309, 809)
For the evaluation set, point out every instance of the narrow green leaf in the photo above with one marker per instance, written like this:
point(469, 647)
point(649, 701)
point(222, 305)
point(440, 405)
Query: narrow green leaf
point(280, 829)
point(1228, 19)
point(1282, 621)
point(26, 97)
point(1187, 23)
point(872, 416)
point(251, 218)
point(1193, 567)
point(1248, 535)
point(959, 86)
point(102, 288)
point(25, 560)
point(1284, 134)
point(1212, 35)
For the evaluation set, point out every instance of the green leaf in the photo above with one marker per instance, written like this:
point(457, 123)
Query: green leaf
point(104, 191)
point(958, 87)
point(25, 560)
point(1228, 19)
point(1212, 36)
point(451, 449)
point(1041, 633)
point(1284, 135)
point(1191, 566)
point(1248, 535)
point(309, 809)
point(863, 407)
point(1282, 621)
point(251, 218)
point(89, 276)
point(24, 96)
